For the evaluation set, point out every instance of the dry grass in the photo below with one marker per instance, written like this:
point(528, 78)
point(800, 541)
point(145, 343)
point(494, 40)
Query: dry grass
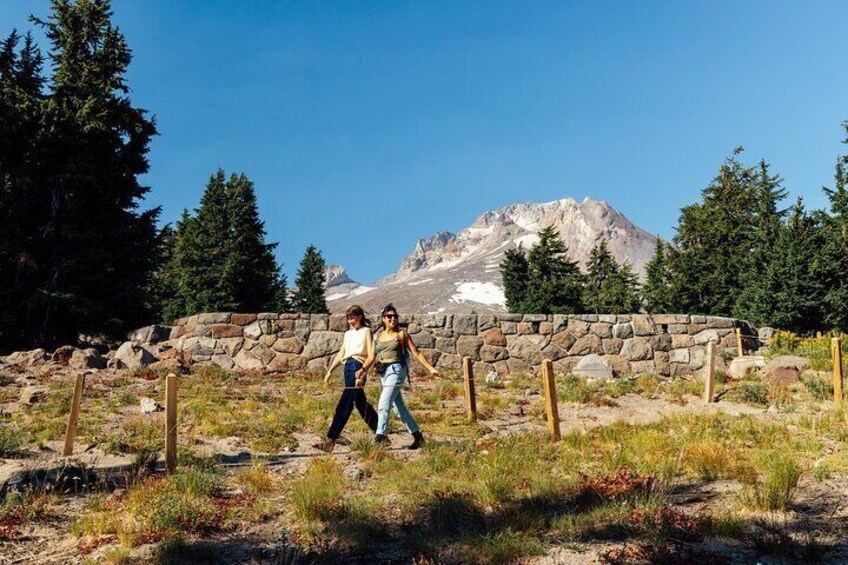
point(470, 495)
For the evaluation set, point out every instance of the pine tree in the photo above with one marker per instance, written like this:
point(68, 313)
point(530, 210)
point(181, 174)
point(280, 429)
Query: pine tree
point(713, 239)
point(250, 267)
point(23, 199)
point(90, 249)
point(219, 260)
point(174, 280)
point(833, 254)
point(656, 292)
point(610, 288)
point(755, 299)
point(514, 273)
point(207, 257)
point(309, 296)
point(555, 283)
point(792, 278)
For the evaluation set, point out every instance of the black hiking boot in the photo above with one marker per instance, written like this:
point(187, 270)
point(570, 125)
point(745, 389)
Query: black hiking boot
point(418, 441)
point(380, 439)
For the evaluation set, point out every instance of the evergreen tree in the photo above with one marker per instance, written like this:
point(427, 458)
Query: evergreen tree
point(792, 279)
point(23, 199)
point(834, 250)
point(250, 266)
point(219, 260)
point(610, 288)
point(212, 290)
point(78, 253)
point(755, 298)
point(656, 292)
point(555, 283)
point(309, 296)
point(174, 280)
point(713, 240)
point(514, 273)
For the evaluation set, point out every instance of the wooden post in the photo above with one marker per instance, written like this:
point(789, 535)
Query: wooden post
point(836, 356)
point(709, 374)
point(818, 335)
point(739, 348)
point(171, 423)
point(549, 388)
point(470, 395)
point(71, 431)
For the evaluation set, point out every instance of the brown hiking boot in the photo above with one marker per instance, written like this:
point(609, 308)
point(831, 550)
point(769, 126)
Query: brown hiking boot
point(326, 446)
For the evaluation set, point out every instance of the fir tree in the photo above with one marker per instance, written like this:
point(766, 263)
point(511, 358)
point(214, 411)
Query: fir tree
point(23, 199)
point(610, 288)
point(79, 253)
point(250, 266)
point(554, 284)
point(834, 251)
point(656, 292)
point(792, 278)
point(713, 240)
point(309, 296)
point(514, 273)
point(755, 298)
point(208, 255)
point(219, 260)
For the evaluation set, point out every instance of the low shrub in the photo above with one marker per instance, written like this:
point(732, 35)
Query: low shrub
point(318, 494)
point(775, 488)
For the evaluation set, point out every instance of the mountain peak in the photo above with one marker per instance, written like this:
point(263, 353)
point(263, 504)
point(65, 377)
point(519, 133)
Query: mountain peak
point(462, 270)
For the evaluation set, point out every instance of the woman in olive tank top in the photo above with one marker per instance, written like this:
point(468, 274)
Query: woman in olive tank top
point(390, 350)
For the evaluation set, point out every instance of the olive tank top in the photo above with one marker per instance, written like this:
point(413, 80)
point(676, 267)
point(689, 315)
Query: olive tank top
point(388, 351)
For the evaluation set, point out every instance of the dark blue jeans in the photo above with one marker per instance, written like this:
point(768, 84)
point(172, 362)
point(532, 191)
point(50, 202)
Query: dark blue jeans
point(351, 397)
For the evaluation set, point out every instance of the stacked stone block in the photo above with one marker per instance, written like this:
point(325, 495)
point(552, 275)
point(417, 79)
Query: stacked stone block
point(666, 344)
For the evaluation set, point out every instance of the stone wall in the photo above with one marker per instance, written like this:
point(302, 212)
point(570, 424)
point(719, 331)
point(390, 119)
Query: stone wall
point(668, 344)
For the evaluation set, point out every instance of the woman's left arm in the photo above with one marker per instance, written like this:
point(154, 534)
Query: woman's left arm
point(417, 354)
point(361, 374)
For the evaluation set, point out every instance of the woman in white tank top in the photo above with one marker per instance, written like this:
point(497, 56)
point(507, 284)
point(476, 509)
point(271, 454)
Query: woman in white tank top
point(357, 341)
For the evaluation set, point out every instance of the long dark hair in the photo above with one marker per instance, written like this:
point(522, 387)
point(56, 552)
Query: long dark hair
point(386, 309)
point(356, 310)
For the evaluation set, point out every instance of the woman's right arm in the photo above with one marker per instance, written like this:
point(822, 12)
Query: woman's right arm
point(335, 363)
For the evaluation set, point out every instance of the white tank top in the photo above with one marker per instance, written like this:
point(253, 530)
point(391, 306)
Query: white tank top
point(354, 343)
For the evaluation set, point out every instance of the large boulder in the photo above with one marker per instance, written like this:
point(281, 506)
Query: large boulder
point(132, 356)
point(150, 334)
point(27, 358)
point(33, 394)
point(741, 366)
point(593, 367)
point(785, 369)
point(87, 359)
point(800, 363)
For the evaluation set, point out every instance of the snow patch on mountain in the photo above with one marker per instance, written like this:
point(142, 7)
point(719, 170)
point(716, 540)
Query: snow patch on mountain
point(481, 293)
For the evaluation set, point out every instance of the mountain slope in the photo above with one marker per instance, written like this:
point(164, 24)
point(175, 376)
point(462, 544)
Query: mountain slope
point(460, 271)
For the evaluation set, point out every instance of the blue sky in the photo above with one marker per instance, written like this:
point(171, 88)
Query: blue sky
point(366, 125)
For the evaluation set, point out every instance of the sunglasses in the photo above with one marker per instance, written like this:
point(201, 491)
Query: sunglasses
point(391, 316)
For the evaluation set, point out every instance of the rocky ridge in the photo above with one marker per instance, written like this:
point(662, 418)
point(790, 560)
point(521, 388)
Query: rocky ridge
point(461, 271)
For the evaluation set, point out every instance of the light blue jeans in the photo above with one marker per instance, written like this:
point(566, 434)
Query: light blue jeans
point(392, 379)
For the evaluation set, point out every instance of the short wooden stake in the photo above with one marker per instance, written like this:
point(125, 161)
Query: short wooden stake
point(709, 374)
point(818, 335)
point(549, 388)
point(71, 432)
point(739, 342)
point(470, 395)
point(836, 356)
point(171, 423)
